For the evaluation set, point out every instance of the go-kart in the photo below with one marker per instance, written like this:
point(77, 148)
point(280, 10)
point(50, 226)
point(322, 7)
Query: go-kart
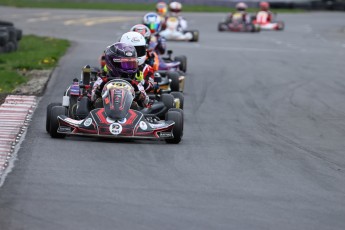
point(238, 26)
point(171, 70)
point(261, 19)
point(117, 119)
point(172, 32)
point(77, 101)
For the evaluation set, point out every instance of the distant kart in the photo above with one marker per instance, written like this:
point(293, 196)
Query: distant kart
point(261, 20)
point(238, 26)
point(173, 33)
point(117, 120)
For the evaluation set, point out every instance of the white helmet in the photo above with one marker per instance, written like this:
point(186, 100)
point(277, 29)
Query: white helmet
point(143, 30)
point(175, 7)
point(241, 6)
point(138, 41)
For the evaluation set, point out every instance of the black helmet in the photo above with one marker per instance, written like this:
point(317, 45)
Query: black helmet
point(121, 60)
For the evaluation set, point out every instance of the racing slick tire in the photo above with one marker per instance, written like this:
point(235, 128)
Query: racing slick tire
point(179, 96)
point(183, 62)
point(4, 36)
point(195, 35)
point(168, 101)
point(49, 109)
point(180, 111)
point(177, 117)
point(175, 82)
point(221, 26)
point(281, 26)
point(54, 123)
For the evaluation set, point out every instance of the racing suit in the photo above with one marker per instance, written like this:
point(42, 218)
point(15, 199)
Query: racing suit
point(264, 17)
point(239, 16)
point(142, 83)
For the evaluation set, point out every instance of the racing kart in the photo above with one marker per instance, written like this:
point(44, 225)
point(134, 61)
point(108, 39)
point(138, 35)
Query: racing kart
point(171, 70)
point(77, 99)
point(261, 20)
point(117, 119)
point(172, 32)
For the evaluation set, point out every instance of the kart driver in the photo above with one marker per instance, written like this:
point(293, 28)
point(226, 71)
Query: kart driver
point(264, 15)
point(240, 15)
point(146, 73)
point(154, 23)
point(175, 9)
point(121, 62)
point(162, 10)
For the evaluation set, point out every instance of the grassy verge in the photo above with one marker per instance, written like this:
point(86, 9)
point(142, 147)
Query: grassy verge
point(68, 4)
point(33, 53)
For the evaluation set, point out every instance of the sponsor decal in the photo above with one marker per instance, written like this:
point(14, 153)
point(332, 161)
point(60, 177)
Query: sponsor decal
point(143, 125)
point(64, 129)
point(115, 128)
point(129, 54)
point(165, 134)
point(88, 122)
point(70, 120)
point(154, 126)
point(135, 39)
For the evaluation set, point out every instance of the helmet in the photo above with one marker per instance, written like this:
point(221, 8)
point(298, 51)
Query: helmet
point(264, 5)
point(152, 21)
point(241, 6)
point(143, 30)
point(161, 8)
point(138, 41)
point(121, 59)
point(175, 7)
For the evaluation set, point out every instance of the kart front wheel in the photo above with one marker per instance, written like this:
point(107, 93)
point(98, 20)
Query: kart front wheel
point(183, 62)
point(49, 109)
point(175, 81)
point(54, 123)
point(221, 27)
point(168, 101)
point(177, 117)
point(281, 25)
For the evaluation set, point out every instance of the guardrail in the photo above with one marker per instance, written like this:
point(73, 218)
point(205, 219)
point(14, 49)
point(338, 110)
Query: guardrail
point(9, 37)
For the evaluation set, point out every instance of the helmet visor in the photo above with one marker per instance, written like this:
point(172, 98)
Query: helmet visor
point(126, 64)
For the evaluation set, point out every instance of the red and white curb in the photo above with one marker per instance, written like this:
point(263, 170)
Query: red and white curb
point(15, 114)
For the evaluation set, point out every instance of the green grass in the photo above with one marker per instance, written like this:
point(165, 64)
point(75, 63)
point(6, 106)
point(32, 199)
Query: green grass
point(33, 53)
point(70, 4)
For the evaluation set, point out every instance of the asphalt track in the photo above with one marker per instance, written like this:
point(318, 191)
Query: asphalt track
point(263, 144)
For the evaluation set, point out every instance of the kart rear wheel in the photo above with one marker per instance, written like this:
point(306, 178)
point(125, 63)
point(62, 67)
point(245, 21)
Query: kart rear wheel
point(54, 123)
point(175, 82)
point(168, 101)
point(195, 36)
point(49, 109)
point(177, 117)
point(179, 96)
point(281, 25)
point(183, 62)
